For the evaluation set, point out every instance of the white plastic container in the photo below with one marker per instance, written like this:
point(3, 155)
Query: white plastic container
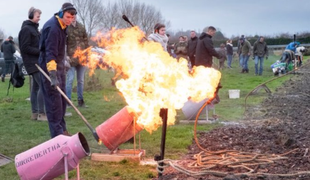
point(234, 93)
point(191, 108)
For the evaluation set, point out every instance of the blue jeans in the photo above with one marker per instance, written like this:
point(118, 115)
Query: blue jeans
point(229, 60)
point(80, 71)
point(261, 62)
point(240, 60)
point(36, 98)
point(8, 67)
point(287, 58)
point(244, 60)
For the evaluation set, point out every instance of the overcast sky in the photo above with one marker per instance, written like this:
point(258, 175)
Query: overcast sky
point(232, 17)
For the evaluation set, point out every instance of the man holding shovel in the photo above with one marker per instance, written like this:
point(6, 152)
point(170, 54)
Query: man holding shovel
point(52, 52)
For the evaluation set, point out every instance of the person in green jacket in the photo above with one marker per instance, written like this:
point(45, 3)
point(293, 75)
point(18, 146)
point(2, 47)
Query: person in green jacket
point(77, 38)
point(245, 54)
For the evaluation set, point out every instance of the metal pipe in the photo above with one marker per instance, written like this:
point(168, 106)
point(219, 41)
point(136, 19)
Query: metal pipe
point(66, 166)
point(164, 116)
point(295, 56)
point(74, 107)
point(127, 20)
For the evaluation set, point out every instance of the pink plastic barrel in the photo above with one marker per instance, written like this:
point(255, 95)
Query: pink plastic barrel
point(46, 161)
point(117, 129)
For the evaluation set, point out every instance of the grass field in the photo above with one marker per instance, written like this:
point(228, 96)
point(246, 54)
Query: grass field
point(18, 133)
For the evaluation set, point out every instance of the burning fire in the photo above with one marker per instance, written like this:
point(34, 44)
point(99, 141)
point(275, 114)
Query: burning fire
point(151, 79)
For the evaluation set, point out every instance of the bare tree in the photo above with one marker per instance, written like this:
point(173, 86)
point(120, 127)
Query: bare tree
point(2, 35)
point(111, 17)
point(90, 14)
point(140, 14)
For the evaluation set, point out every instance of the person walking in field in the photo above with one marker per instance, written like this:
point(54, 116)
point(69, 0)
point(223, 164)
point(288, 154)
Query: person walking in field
point(260, 51)
point(245, 54)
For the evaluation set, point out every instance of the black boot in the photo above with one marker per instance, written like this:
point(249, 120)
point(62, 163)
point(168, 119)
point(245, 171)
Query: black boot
point(66, 133)
point(81, 103)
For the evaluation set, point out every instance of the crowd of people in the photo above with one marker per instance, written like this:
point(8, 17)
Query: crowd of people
point(50, 51)
point(200, 50)
point(53, 49)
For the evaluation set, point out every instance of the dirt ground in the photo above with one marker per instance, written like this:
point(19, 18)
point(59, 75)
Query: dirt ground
point(278, 131)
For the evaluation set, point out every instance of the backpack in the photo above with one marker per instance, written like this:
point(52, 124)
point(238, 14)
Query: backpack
point(17, 77)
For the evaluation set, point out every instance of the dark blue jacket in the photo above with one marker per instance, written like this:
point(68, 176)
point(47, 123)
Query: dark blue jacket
point(8, 50)
point(192, 44)
point(29, 37)
point(52, 44)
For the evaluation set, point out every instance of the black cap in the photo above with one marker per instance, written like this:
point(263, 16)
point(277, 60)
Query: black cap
point(67, 6)
point(10, 38)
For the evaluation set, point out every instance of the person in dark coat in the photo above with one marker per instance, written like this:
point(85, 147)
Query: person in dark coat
point(230, 52)
point(8, 50)
point(205, 49)
point(29, 37)
point(260, 50)
point(52, 57)
point(192, 44)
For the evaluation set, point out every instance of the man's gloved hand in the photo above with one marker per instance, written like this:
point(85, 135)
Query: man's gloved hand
point(73, 61)
point(67, 63)
point(266, 57)
point(70, 60)
point(54, 80)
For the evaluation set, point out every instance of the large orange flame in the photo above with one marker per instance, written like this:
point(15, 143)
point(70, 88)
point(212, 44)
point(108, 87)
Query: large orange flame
point(152, 79)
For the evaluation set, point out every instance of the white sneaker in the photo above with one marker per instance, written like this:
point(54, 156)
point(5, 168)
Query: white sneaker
point(42, 117)
point(68, 114)
point(34, 116)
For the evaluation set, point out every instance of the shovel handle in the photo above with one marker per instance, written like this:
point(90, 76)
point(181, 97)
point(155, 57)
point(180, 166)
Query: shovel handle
point(70, 102)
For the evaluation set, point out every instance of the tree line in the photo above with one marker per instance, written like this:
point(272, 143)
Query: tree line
point(219, 38)
point(98, 15)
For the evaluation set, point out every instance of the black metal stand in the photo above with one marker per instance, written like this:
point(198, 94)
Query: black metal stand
point(164, 116)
